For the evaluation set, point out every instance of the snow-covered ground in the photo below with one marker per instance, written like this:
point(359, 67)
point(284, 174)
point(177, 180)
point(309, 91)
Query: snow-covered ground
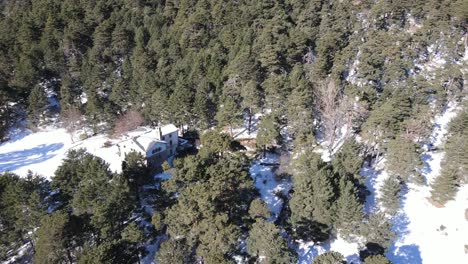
point(428, 234)
point(307, 251)
point(42, 152)
point(425, 234)
point(268, 185)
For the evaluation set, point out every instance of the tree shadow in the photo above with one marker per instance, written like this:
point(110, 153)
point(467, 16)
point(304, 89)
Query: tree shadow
point(426, 158)
point(405, 254)
point(16, 159)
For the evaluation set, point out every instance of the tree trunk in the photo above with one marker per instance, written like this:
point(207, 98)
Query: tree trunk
point(32, 246)
point(250, 122)
point(70, 259)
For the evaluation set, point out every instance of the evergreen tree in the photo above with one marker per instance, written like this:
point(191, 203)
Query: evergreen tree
point(444, 187)
point(349, 213)
point(377, 259)
point(134, 171)
point(311, 204)
point(229, 114)
point(300, 116)
point(258, 209)
point(266, 244)
point(377, 230)
point(403, 160)
point(330, 257)
point(55, 242)
point(174, 251)
point(390, 195)
point(37, 102)
point(250, 101)
point(268, 132)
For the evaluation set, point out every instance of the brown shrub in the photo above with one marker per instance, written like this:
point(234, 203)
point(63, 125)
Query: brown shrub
point(126, 122)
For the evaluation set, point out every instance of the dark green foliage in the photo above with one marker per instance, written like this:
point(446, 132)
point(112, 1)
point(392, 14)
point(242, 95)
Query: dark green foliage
point(444, 187)
point(135, 171)
point(209, 63)
point(269, 131)
point(330, 257)
point(258, 209)
point(391, 195)
point(403, 160)
point(455, 162)
point(348, 160)
point(218, 143)
point(229, 114)
point(377, 259)
point(377, 230)
point(385, 121)
point(103, 202)
point(312, 210)
point(22, 204)
point(174, 251)
point(55, 239)
point(37, 102)
point(266, 244)
point(349, 213)
point(214, 194)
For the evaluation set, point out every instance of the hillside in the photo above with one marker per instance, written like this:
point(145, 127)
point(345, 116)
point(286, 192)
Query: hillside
point(320, 131)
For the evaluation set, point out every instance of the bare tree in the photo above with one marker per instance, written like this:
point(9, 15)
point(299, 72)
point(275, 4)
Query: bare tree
point(128, 121)
point(336, 110)
point(329, 97)
point(71, 120)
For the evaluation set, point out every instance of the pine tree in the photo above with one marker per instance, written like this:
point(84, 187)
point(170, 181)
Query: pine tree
point(300, 116)
point(135, 170)
point(268, 131)
point(229, 114)
point(37, 102)
point(250, 101)
point(403, 160)
point(391, 195)
point(444, 187)
point(258, 209)
point(377, 229)
point(349, 213)
point(54, 239)
point(330, 257)
point(348, 160)
point(377, 259)
point(311, 204)
point(266, 244)
point(174, 251)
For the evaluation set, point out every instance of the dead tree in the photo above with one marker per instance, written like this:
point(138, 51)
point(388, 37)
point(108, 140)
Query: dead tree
point(330, 106)
point(71, 120)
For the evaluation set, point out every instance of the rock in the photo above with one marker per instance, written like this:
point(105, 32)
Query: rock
point(466, 214)
point(466, 249)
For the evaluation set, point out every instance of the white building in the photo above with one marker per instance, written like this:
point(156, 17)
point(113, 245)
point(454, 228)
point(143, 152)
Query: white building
point(170, 135)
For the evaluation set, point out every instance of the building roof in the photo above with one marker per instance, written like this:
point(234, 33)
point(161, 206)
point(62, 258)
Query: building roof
point(147, 143)
point(168, 129)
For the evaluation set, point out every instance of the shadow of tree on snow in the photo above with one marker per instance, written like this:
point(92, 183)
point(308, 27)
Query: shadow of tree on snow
point(16, 159)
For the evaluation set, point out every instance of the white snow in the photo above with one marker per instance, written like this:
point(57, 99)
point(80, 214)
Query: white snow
point(267, 184)
point(307, 251)
point(42, 152)
point(428, 234)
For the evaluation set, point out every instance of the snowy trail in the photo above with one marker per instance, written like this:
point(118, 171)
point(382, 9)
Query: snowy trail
point(267, 184)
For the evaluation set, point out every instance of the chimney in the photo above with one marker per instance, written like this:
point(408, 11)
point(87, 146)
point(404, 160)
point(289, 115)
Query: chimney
point(160, 133)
